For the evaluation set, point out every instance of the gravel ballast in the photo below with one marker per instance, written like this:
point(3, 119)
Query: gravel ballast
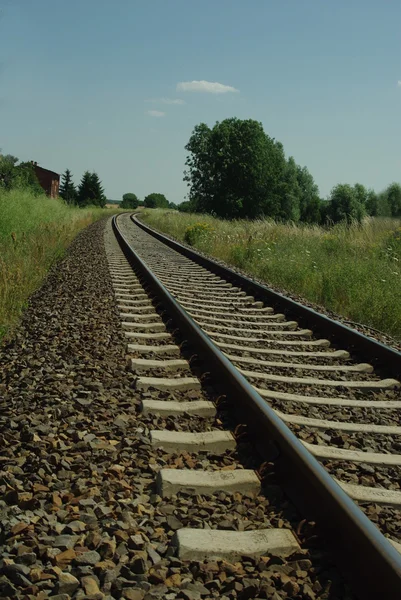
point(80, 517)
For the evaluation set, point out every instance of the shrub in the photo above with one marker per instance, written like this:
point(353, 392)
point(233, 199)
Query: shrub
point(195, 233)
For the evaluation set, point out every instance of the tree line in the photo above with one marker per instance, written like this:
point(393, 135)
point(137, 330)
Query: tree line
point(89, 191)
point(153, 200)
point(236, 170)
point(16, 174)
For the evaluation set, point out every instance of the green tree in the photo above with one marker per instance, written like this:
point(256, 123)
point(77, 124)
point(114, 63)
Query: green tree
point(361, 193)
point(26, 178)
point(186, 206)
point(90, 191)
point(372, 203)
point(383, 206)
point(129, 201)
point(98, 191)
point(235, 170)
point(324, 212)
point(8, 171)
point(309, 199)
point(84, 194)
point(21, 175)
point(173, 205)
point(67, 188)
point(200, 174)
point(289, 193)
point(155, 201)
point(393, 194)
point(344, 204)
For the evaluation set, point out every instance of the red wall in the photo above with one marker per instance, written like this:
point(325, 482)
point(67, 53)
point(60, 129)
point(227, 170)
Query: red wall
point(48, 180)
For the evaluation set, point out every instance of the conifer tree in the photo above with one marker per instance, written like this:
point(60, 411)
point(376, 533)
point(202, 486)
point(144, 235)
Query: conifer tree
point(90, 190)
point(67, 188)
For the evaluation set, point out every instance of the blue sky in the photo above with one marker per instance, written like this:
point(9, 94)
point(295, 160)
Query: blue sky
point(80, 79)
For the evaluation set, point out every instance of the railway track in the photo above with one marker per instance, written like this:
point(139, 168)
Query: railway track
point(303, 403)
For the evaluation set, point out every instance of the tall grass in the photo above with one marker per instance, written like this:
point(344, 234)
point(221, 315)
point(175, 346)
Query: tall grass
point(354, 270)
point(34, 232)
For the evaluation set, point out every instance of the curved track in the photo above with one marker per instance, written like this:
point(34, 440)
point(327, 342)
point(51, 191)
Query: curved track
point(278, 376)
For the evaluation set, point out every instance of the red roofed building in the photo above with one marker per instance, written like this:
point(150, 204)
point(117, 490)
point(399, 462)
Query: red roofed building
point(49, 180)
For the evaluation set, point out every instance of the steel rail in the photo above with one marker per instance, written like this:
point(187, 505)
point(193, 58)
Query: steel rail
point(367, 558)
point(387, 359)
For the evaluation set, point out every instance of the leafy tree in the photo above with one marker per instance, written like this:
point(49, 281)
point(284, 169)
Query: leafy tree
point(173, 205)
point(344, 204)
point(26, 178)
point(155, 201)
point(236, 170)
point(393, 193)
point(361, 193)
point(200, 174)
point(8, 171)
point(309, 200)
point(67, 188)
point(324, 212)
point(90, 190)
point(289, 193)
point(372, 203)
point(141, 203)
point(21, 175)
point(186, 207)
point(129, 201)
point(383, 206)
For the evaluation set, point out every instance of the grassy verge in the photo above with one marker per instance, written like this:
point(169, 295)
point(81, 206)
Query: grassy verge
point(354, 271)
point(34, 232)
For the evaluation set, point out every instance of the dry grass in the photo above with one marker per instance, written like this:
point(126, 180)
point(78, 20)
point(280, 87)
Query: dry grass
point(354, 271)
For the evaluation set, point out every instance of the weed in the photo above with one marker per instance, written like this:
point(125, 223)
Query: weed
point(194, 233)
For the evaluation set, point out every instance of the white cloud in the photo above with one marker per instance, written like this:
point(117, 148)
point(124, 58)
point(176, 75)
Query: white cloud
point(172, 101)
point(205, 86)
point(155, 113)
point(166, 101)
point(399, 83)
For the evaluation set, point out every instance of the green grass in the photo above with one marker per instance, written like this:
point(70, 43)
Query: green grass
point(354, 271)
point(34, 233)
